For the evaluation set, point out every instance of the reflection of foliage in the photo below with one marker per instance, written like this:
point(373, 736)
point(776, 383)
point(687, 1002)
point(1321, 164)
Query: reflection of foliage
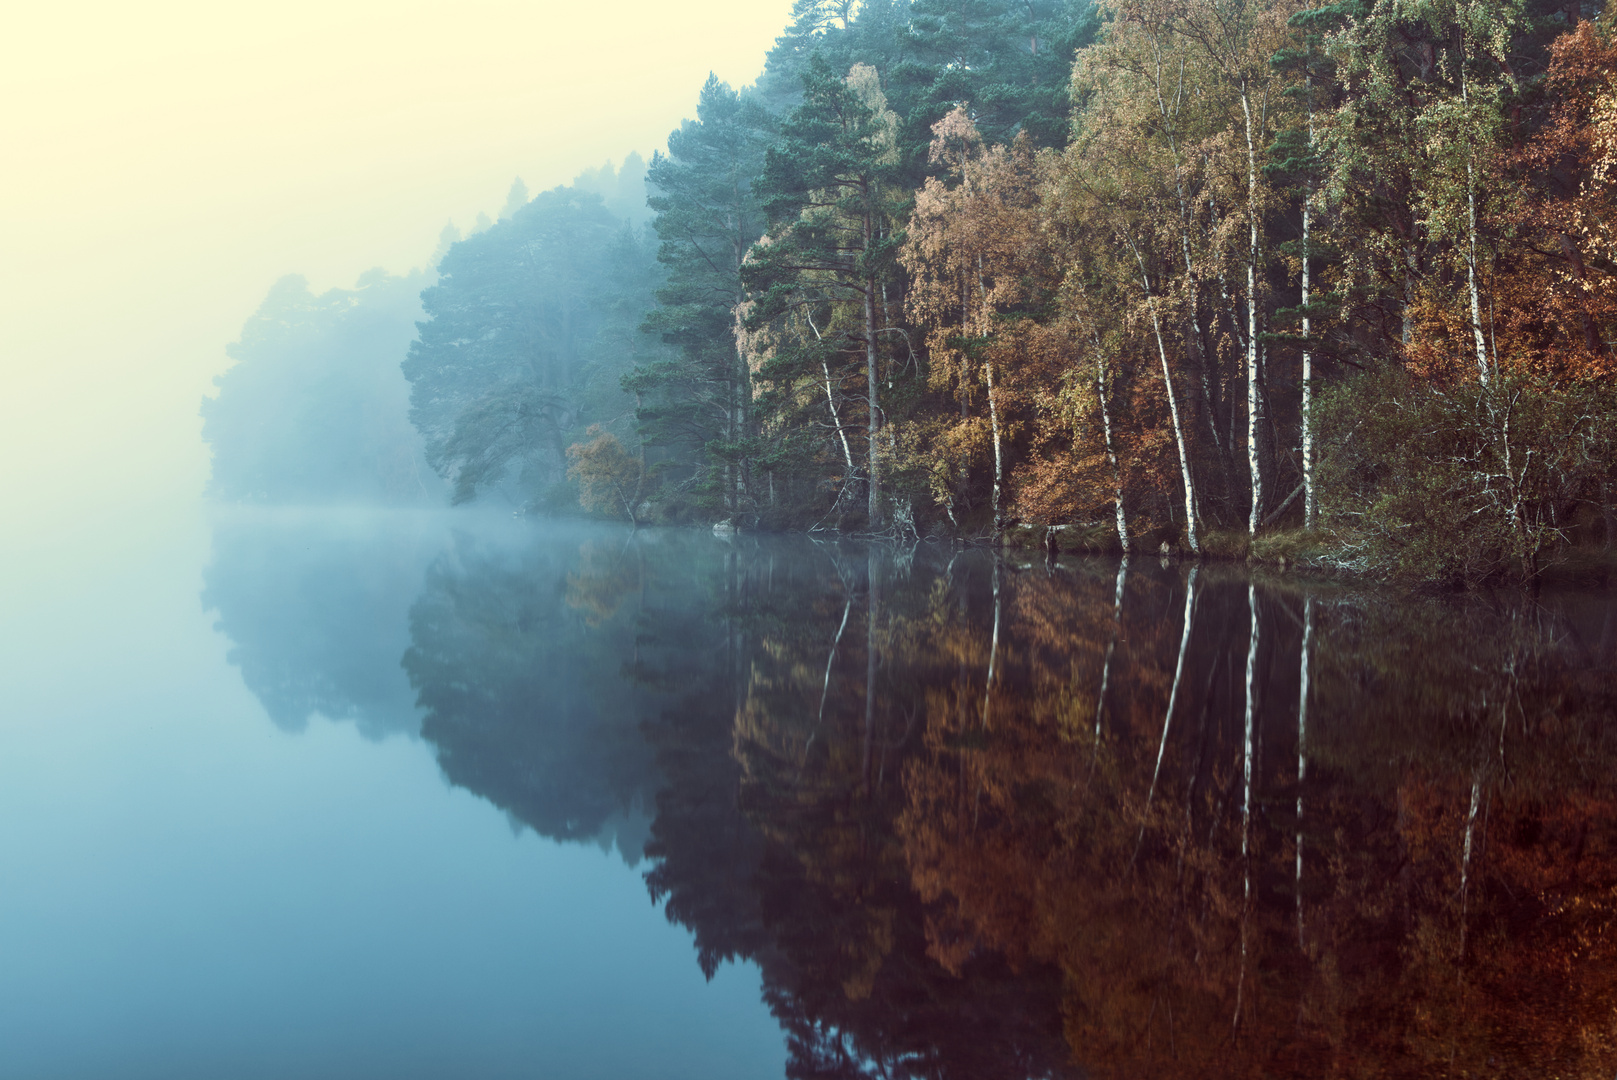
point(315, 604)
point(607, 574)
point(946, 809)
point(524, 695)
point(1392, 951)
point(829, 716)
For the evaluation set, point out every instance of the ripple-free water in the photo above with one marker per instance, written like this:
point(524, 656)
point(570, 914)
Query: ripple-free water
point(409, 794)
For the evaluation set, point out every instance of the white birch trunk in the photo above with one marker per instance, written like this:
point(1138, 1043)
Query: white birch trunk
point(831, 400)
point(1191, 289)
point(1111, 448)
point(1308, 355)
point(1252, 459)
point(1173, 405)
point(993, 406)
point(1484, 369)
point(999, 459)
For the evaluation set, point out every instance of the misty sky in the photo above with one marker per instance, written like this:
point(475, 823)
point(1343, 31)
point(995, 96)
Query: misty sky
point(166, 162)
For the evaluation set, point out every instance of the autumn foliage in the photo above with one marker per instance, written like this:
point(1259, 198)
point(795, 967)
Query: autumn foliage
point(1154, 329)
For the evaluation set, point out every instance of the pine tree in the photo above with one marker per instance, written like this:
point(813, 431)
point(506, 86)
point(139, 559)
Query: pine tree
point(698, 408)
point(834, 199)
point(1009, 63)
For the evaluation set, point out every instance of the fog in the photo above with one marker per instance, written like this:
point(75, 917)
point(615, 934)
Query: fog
point(168, 163)
point(196, 887)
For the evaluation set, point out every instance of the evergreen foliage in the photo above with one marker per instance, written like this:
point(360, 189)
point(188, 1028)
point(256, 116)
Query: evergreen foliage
point(1142, 243)
point(694, 409)
point(528, 328)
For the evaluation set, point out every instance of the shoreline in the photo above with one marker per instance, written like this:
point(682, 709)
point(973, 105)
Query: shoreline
point(1315, 554)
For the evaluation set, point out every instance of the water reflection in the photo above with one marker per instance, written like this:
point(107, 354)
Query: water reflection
point(525, 658)
point(975, 818)
point(315, 604)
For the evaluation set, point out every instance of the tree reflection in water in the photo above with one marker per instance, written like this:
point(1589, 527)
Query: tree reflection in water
point(973, 818)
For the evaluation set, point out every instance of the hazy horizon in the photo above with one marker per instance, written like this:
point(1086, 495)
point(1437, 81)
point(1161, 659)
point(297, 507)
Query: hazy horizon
point(176, 161)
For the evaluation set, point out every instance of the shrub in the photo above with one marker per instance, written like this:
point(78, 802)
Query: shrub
point(1462, 483)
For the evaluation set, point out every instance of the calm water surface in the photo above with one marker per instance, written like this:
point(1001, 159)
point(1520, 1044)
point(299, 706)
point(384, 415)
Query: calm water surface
point(433, 795)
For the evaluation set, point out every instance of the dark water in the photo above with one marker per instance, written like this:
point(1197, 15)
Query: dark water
point(916, 813)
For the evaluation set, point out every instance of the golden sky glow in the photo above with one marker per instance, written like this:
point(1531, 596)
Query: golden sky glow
point(164, 163)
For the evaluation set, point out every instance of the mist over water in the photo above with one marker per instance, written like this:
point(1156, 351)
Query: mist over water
point(345, 791)
point(305, 773)
point(196, 889)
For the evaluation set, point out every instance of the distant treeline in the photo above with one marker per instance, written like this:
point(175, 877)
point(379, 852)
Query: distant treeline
point(314, 409)
point(1188, 273)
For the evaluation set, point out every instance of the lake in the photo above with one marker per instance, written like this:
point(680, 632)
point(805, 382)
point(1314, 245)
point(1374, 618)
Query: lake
point(345, 793)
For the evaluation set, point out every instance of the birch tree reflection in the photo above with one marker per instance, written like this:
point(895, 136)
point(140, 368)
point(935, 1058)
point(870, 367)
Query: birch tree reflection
point(976, 818)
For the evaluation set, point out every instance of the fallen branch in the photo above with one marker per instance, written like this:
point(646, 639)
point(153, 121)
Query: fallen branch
point(1281, 509)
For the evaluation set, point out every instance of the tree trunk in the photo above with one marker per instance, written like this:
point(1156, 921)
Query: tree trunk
point(874, 513)
point(1173, 405)
point(831, 400)
point(1254, 465)
point(999, 459)
point(993, 407)
point(1111, 448)
point(1193, 339)
point(1484, 369)
point(1226, 445)
point(1308, 367)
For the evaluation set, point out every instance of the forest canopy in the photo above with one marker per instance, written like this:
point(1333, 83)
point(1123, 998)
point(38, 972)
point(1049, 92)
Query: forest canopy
point(1163, 274)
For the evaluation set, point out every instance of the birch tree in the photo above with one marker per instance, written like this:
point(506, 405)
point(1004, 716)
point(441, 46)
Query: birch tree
point(1236, 39)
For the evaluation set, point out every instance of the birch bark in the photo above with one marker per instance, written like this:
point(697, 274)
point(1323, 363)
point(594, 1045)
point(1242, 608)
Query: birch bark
point(1173, 403)
point(993, 406)
point(1111, 448)
point(1254, 465)
point(1308, 355)
point(1484, 369)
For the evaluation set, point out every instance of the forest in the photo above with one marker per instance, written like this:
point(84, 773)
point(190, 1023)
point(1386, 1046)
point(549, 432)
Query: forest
point(1329, 285)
